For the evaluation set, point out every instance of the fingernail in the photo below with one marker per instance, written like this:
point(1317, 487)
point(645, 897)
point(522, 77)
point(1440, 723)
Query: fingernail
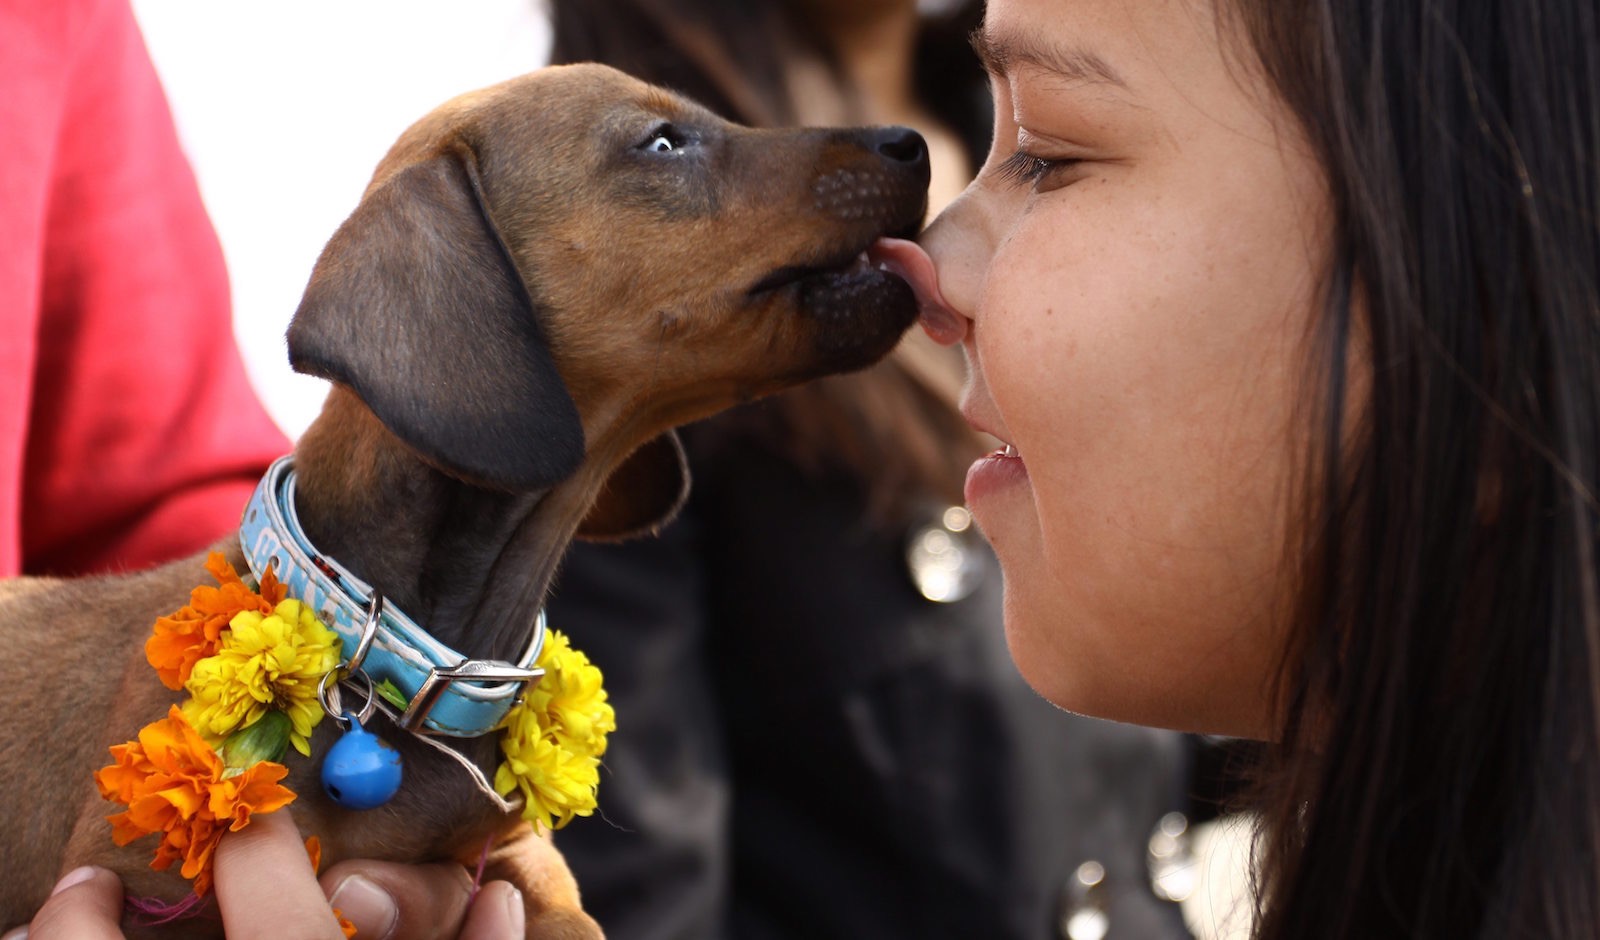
point(77, 876)
point(21, 933)
point(516, 914)
point(367, 906)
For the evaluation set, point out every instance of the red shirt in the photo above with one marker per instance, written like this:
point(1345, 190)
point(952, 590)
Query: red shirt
point(128, 431)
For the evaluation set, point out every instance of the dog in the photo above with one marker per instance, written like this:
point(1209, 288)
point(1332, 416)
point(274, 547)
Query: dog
point(542, 279)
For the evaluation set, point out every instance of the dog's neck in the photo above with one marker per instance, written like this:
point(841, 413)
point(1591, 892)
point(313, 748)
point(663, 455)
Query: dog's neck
point(469, 564)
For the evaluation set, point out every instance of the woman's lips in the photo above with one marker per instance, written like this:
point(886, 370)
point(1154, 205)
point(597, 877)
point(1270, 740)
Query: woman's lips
point(909, 261)
point(999, 470)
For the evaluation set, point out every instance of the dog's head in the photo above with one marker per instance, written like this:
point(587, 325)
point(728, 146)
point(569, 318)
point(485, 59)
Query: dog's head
point(563, 267)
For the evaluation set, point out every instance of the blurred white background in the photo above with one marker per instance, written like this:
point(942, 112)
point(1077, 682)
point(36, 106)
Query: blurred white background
point(286, 107)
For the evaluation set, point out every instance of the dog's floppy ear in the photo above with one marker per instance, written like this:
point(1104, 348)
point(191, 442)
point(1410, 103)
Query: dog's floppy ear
point(416, 306)
point(642, 494)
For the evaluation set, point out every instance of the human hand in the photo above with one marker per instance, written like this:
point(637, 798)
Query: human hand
point(385, 900)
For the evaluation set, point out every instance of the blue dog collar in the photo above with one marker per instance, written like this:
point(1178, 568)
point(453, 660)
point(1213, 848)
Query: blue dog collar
point(446, 693)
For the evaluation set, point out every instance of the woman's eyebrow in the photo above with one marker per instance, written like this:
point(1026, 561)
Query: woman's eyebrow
point(1000, 53)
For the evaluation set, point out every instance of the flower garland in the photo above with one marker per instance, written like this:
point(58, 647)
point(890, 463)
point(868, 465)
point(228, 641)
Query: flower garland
point(555, 736)
point(251, 661)
point(173, 782)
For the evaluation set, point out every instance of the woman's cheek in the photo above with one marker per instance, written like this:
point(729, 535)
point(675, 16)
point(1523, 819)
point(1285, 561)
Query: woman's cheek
point(1113, 553)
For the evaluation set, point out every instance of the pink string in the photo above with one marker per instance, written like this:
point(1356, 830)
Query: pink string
point(477, 877)
point(153, 912)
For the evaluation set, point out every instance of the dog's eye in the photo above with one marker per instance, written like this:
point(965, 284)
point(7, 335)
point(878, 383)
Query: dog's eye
point(664, 139)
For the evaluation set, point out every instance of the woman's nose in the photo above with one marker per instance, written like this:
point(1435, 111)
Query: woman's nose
point(954, 246)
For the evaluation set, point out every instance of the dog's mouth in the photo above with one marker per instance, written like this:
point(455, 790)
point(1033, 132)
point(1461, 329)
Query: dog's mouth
point(835, 271)
point(850, 264)
point(840, 268)
point(859, 307)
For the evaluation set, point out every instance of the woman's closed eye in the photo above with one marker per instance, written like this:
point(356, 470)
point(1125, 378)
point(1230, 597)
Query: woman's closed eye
point(1041, 173)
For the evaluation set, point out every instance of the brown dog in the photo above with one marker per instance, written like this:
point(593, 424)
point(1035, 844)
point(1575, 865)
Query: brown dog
point(542, 279)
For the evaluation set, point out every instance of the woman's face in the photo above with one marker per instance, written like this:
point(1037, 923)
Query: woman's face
point(1139, 261)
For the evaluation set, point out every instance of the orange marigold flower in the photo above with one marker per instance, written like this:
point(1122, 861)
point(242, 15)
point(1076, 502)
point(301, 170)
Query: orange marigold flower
point(314, 849)
point(173, 783)
point(190, 634)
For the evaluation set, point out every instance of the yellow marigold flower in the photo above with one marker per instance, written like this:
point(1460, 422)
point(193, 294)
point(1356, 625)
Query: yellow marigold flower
point(191, 633)
point(262, 663)
point(554, 737)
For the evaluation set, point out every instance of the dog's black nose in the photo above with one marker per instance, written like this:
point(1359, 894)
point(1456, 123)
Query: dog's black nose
point(900, 144)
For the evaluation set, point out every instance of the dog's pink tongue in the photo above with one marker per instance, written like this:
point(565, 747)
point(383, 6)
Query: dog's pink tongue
point(907, 259)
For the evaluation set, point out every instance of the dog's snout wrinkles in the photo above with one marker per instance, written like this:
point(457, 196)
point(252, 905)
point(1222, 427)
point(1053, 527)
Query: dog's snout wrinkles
point(879, 176)
point(857, 194)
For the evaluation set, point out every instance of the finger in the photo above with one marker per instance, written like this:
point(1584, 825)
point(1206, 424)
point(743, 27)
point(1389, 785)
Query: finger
point(390, 901)
point(265, 885)
point(86, 903)
point(496, 913)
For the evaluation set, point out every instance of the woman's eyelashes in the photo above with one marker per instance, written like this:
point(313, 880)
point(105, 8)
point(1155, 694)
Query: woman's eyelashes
point(1025, 169)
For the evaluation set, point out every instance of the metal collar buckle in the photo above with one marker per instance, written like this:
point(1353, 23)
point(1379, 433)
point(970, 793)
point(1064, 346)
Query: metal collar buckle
point(439, 678)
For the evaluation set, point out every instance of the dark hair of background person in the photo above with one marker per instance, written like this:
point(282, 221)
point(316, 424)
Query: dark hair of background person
point(894, 426)
point(1439, 766)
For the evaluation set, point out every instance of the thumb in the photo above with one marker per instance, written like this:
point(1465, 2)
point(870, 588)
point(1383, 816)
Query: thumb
point(86, 904)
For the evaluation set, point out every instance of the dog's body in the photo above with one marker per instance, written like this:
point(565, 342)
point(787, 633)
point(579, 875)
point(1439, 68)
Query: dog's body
point(541, 281)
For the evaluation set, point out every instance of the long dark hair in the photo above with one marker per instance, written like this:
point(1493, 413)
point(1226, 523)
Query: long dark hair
point(1438, 772)
point(894, 427)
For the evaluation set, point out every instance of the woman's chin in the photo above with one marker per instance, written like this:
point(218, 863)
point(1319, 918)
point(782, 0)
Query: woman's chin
point(1075, 661)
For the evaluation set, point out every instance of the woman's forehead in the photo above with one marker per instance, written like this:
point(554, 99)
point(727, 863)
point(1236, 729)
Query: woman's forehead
point(1117, 44)
point(1001, 50)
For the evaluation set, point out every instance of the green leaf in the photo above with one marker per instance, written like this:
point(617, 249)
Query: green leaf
point(389, 693)
point(267, 739)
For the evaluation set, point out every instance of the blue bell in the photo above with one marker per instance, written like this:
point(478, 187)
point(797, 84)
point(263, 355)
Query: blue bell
point(361, 770)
